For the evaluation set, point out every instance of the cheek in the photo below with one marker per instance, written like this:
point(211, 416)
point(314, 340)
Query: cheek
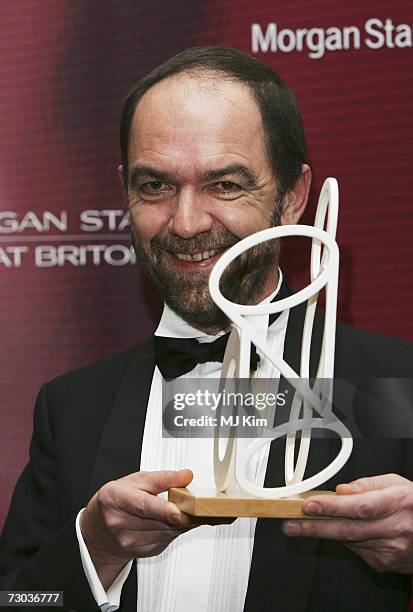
point(244, 219)
point(147, 222)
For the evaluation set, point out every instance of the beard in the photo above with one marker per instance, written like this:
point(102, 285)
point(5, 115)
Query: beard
point(187, 293)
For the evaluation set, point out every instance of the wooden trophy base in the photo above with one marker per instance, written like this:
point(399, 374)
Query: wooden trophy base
point(210, 502)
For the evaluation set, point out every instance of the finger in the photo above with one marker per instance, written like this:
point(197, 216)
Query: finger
point(373, 483)
point(146, 506)
point(368, 505)
point(345, 530)
point(157, 482)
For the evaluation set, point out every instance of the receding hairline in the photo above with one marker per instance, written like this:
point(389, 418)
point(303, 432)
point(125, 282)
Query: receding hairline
point(277, 106)
point(201, 73)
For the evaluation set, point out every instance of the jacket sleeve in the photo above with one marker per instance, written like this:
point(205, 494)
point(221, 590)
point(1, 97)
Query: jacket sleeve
point(36, 552)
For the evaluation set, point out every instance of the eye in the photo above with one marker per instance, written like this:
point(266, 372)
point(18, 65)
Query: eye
point(226, 189)
point(228, 186)
point(156, 189)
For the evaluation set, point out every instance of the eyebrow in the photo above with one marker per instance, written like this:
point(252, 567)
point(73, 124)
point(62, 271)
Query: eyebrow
point(247, 174)
point(141, 170)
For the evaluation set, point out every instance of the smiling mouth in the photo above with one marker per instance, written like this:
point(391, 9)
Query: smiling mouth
point(197, 256)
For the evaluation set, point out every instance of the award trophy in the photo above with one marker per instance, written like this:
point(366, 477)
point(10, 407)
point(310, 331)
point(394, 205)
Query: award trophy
point(236, 494)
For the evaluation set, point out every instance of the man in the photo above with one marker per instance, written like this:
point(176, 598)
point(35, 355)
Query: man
point(212, 151)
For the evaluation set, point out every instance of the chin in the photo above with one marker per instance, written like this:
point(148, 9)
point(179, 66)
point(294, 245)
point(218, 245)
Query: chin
point(200, 313)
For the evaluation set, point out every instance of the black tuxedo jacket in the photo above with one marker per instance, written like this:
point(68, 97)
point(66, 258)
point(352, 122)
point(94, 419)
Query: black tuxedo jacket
point(88, 427)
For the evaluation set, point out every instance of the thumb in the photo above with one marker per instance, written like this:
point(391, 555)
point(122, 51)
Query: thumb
point(157, 482)
point(372, 483)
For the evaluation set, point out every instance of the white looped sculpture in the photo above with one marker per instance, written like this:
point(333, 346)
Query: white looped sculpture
point(313, 401)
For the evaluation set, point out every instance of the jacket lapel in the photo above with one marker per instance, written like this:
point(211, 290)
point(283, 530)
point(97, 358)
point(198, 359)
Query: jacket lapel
point(282, 569)
point(119, 449)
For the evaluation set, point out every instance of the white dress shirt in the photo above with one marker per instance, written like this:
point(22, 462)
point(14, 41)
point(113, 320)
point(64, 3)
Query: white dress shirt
point(206, 568)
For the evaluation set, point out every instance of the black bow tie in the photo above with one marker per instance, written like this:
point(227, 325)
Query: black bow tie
point(178, 356)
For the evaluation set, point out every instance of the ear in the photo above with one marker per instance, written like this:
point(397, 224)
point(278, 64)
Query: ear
point(295, 200)
point(120, 177)
point(120, 174)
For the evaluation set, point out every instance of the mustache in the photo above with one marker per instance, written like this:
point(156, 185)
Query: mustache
point(207, 241)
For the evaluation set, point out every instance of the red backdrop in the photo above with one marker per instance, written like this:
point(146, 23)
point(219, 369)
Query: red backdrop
point(65, 68)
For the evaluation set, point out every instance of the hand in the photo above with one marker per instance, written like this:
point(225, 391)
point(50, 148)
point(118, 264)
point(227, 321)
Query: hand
point(371, 516)
point(125, 519)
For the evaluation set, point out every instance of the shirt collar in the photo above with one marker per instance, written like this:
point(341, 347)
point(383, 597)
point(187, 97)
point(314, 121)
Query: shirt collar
point(172, 325)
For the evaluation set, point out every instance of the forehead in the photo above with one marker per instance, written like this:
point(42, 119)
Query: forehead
point(197, 120)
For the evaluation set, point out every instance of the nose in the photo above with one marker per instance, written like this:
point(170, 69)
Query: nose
point(190, 216)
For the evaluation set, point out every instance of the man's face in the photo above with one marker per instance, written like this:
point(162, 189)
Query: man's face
point(199, 181)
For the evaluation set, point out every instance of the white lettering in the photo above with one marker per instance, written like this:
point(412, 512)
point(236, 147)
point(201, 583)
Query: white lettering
point(231, 421)
point(109, 219)
point(45, 256)
point(286, 41)
point(202, 421)
point(8, 222)
point(389, 28)
point(216, 397)
point(378, 37)
point(48, 256)
point(403, 36)
point(263, 43)
point(41, 222)
point(252, 421)
point(334, 40)
point(51, 220)
point(5, 260)
point(317, 41)
point(17, 252)
point(300, 37)
point(125, 223)
point(348, 34)
point(90, 221)
point(11, 256)
point(117, 255)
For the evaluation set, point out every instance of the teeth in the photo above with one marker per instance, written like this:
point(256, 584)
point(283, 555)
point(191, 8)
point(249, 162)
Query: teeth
point(196, 256)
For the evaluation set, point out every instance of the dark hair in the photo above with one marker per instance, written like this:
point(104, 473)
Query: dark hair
point(281, 118)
